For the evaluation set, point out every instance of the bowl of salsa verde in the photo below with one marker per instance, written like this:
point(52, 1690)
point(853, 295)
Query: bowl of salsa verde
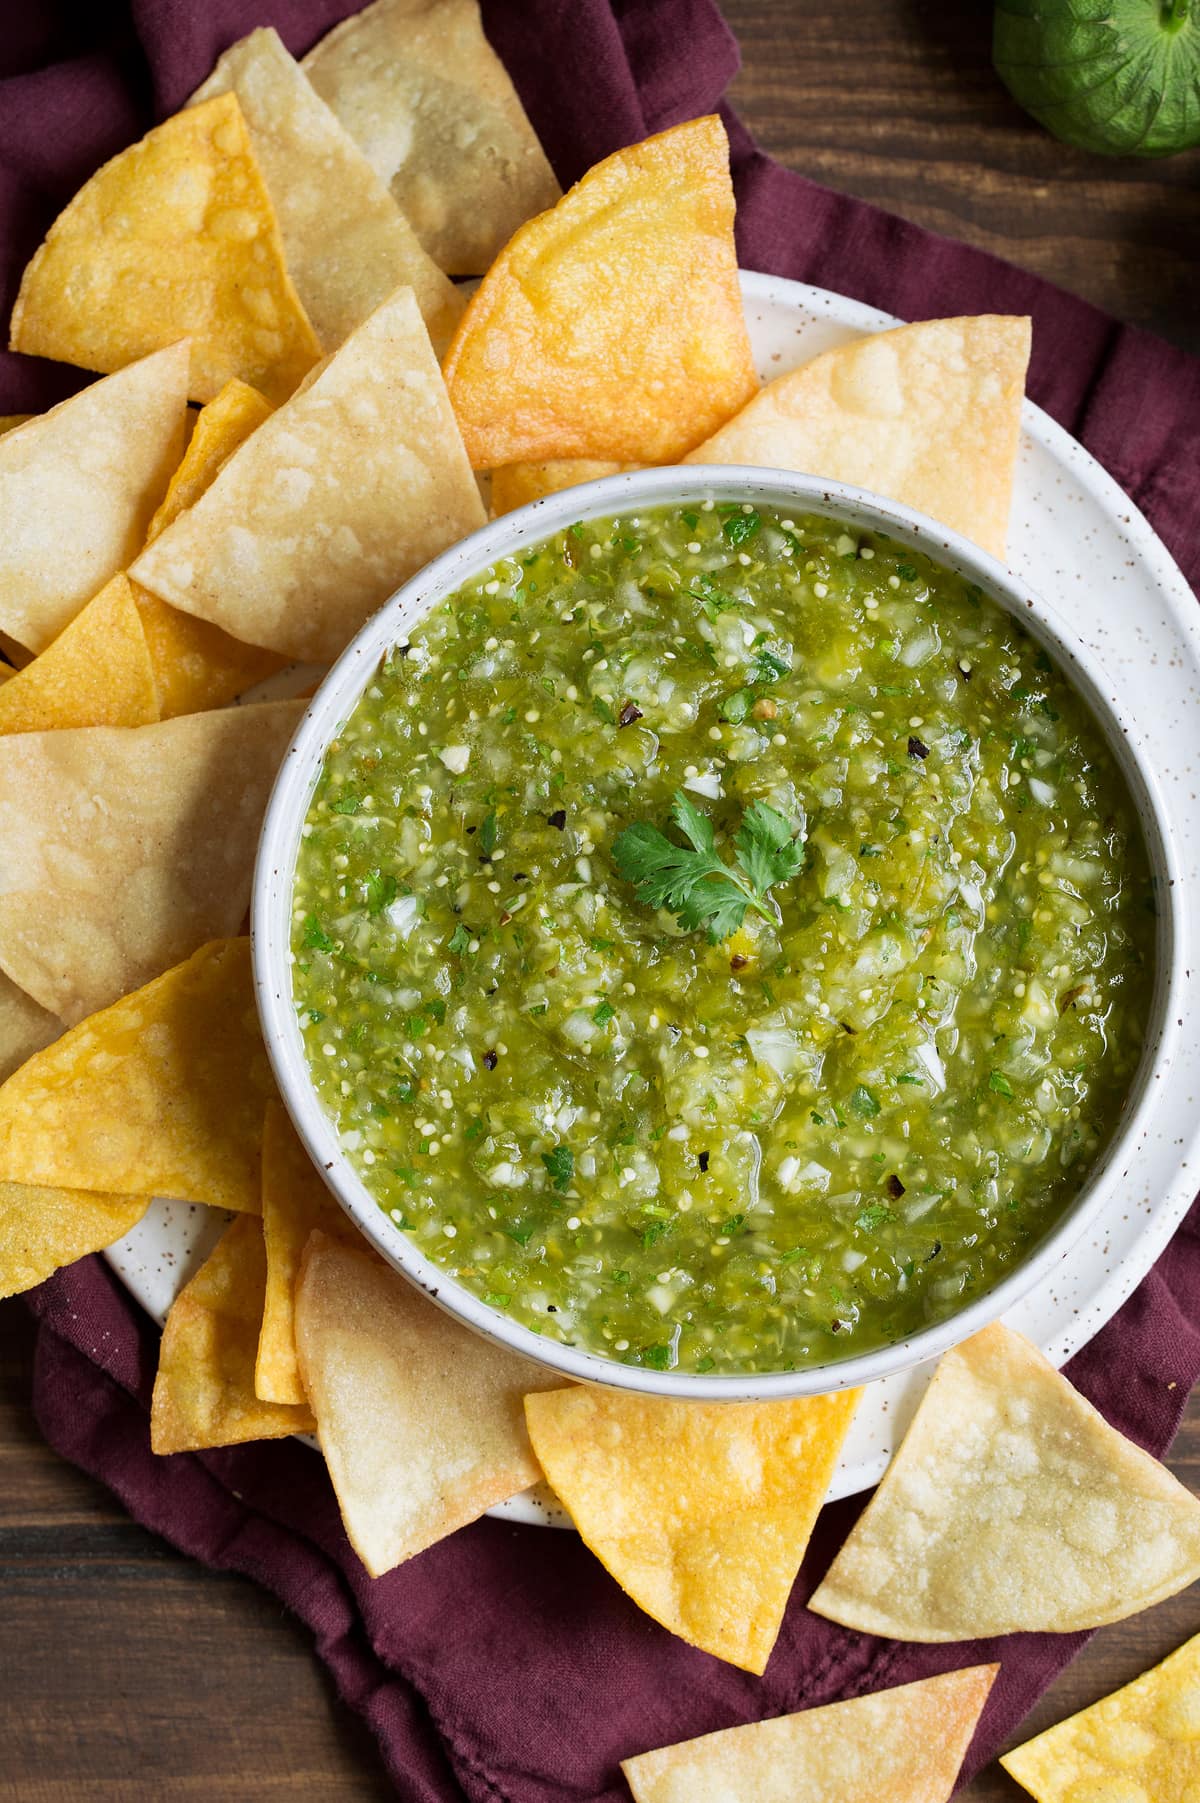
point(714, 930)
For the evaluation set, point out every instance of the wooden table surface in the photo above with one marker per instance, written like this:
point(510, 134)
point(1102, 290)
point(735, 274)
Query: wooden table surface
point(125, 1671)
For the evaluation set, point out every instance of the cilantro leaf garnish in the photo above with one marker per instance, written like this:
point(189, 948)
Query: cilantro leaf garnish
point(561, 1166)
point(696, 884)
point(740, 527)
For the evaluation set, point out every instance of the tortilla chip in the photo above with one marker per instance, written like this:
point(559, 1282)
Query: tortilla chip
point(701, 1511)
point(204, 1391)
point(77, 488)
point(9, 421)
point(25, 1027)
point(295, 1203)
point(96, 673)
point(123, 850)
point(422, 92)
point(348, 245)
point(1139, 1745)
point(342, 495)
point(174, 238)
point(516, 484)
point(44, 1229)
point(550, 362)
point(420, 1419)
point(162, 1094)
point(196, 665)
point(897, 1746)
point(1011, 1506)
point(929, 415)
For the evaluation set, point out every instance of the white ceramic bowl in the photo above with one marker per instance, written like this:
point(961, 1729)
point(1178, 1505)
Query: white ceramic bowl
point(336, 699)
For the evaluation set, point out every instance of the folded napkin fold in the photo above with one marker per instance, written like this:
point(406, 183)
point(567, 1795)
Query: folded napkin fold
point(504, 1664)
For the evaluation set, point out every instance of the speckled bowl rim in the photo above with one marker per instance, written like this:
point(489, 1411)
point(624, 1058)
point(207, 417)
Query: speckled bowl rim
point(339, 694)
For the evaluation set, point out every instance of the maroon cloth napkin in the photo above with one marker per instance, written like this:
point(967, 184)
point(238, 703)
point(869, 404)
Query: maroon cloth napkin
point(505, 1665)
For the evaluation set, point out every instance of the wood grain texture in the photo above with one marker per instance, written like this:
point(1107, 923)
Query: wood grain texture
point(130, 1674)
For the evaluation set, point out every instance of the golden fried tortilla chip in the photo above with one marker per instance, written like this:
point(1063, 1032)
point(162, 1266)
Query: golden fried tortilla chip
point(78, 486)
point(174, 238)
point(8, 421)
point(549, 362)
point(97, 672)
point(1011, 1506)
point(25, 1027)
point(43, 1229)
point(419, 88)
point(420, 1419)
point(1139, 1745)
point(204, 1391)
point(196, 665)
point(347, 243)
point(124, 849)
point(516, 484)
point(701, 1511)
point(929, 415)
point(295, 1203)
point(896, 1746)
point(162, 1094)
point(344, 493)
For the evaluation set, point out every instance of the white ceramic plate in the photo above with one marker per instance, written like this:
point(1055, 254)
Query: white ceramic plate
point(1084, 546)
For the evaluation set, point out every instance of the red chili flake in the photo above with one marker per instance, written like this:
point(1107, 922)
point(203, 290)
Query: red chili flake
point(628, 714)
point(505, 918)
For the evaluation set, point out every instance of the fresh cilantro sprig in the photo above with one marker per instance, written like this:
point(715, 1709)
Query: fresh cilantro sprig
point(696, 884)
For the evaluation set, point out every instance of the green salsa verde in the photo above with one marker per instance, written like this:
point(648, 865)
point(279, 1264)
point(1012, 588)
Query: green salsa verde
point(722, 941)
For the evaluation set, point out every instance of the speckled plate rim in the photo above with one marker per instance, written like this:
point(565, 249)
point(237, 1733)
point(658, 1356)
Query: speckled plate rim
point(791, 322)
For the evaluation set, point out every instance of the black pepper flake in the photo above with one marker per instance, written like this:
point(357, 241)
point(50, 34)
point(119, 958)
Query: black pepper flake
point(489, 1061)
point(557, 819)
point(937, 1246)
point(916, 749)
point(894, 1187)
point(702, 1160)
point(846, 1027)
point(737, 962)
point(551, 1308)
point(836, 1326)
point(628, 714)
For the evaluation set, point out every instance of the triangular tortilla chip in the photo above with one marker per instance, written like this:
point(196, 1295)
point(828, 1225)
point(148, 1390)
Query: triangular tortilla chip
point(420, 89)
point(162, 1094)
point(420, 1420)
point(9, 421)
point(174, 238)
point(896, 1746)
point(295, 1203)
point(77, 488)
point(25, 1027)
point(348, 245)
point(1139, 1745)
point(516, 484)
point(97, 672)
point(122, 850)
point(701, 1511)
point(642, 364)
point(204, 1391)
point(1012, 1506)
point(196, 665)
point(44, 1229)
point(929, 415)
point(344, 493)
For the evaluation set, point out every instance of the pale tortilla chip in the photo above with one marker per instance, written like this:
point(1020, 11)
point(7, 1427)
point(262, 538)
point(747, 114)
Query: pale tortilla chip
point(348, 245)
point(196, 665)
point(1012, 1506)
point(897, 1746)
point(44, 1229)
point(204, 1391)
point(516, 484)
point(344, 493)
point(929, 415)
point(420, 89)
point(1139, 1745)
point(701, 1511)
point(174, 238)
point(551, 362)
point(420, 1419)
point(123, 850)
point(162, 1094)
point(78, 486)
point(97, 672)
point(25, 1027)
point(295, 1203)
